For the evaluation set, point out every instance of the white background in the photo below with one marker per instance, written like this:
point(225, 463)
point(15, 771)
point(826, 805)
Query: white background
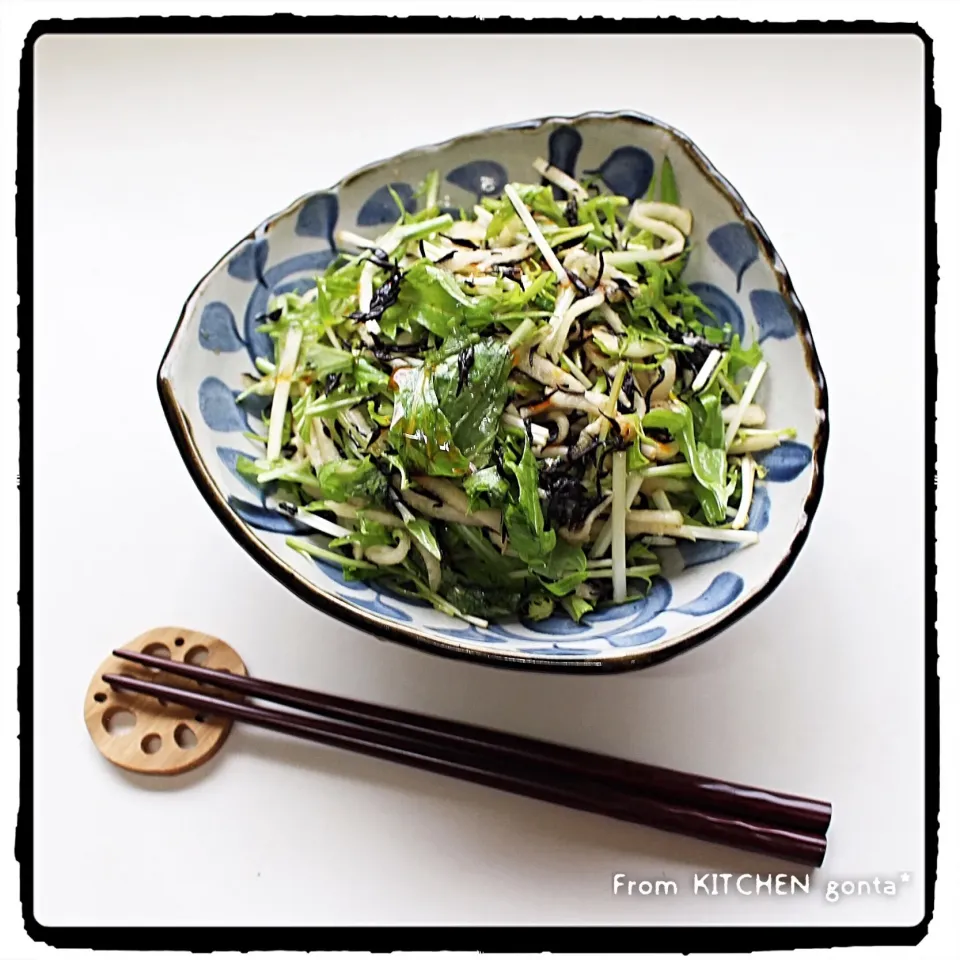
point(153, 156)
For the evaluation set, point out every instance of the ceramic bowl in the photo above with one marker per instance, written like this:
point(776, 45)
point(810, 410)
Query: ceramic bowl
point(735, 270)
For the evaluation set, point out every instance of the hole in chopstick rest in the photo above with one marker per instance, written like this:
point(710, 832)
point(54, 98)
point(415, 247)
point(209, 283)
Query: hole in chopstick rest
point(100, 697)
point(151, 743)
point(119, 721)
point(178, 642)
point(197, 656)
point(200, 718)
point(184, 737)
point(157, 650)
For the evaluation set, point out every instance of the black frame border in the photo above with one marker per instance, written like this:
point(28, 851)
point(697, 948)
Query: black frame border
point(487, 939)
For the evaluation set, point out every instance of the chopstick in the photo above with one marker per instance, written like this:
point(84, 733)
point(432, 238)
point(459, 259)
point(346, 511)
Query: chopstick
point(465, 763)
point(705, 793)
point(801, 847)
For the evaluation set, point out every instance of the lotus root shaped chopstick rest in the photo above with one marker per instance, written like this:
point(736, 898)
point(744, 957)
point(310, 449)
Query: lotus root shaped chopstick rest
point(145, 735)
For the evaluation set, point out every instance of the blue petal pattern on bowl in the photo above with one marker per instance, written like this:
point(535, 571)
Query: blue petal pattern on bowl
point(376, 605)
point(734, 245)
point(564, 148)
point(249, 263)
point(229, 457)
point(318, 217)
point(724, 308)
point(785, 463)
point(381, 208)
point(697, 552)
point(724, 589)
point(705, 583)
point(485, 178)
point(627, 171)
point(263, 518)
point(272, 282)
point(637, 639)
point(773, 315)
point(335, 573)
point(218, 329)
point(218, 407)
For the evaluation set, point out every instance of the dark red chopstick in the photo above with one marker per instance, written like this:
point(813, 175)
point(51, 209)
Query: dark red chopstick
point(540, 783)
point(689, 790)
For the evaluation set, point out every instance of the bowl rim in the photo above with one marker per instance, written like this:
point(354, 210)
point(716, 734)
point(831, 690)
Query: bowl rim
point(384, 629)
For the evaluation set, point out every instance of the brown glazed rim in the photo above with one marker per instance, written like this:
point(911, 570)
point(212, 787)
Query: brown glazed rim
point(408, 636)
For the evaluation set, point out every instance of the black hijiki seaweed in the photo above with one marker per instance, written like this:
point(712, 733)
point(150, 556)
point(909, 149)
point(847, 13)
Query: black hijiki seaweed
point(659, 434)
point(653, 386)
point(460, 242)
point(570, 212)
point(464, 364)
point(565, 244)
point(574, 455)
point(567, 503)
point(618, 441)
point(384, 296)
point(383, 352)
point(443, 259)
point(696, 356)
point(578, 284)
point(383, 465)
point(629, 388)
point(374, 437)
point(272, 317)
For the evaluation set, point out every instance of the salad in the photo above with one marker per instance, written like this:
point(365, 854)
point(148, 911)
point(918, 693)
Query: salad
point(510, 410)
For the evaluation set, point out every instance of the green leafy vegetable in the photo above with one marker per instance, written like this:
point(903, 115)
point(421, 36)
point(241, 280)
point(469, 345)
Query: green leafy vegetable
point(485, 603)
point(709, 464)
point(369, 533)
point(539, 607)
point(343, 480)
point(460, 350)
point(576, 607)
point(447, 413)
point(485, 488)
point(421, 531)
point(524, 518)
point(668, 183)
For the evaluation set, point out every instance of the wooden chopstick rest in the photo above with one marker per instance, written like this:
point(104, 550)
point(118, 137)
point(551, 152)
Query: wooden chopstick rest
point(142, 735)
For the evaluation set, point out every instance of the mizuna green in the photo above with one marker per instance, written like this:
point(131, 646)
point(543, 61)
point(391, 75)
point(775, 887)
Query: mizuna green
point(511, 412)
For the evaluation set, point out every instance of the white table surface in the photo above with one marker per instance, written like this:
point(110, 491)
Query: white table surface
point(153, 156)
